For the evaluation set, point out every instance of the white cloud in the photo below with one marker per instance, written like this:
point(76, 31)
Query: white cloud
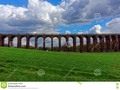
point(78, 11)
point(68, 32)
point(42, 17)
point(38, 15)
point(80, 33)
point(95, 29)
point(113, 26)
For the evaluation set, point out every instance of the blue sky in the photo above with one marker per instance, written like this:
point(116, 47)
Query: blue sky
point(54, 2)
point(24, 2)
point(76, 26)
point(14, 2)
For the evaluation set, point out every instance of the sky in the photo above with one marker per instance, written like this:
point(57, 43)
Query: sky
point(60, 16)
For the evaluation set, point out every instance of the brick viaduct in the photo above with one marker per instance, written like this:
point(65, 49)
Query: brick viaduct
point(100, 42)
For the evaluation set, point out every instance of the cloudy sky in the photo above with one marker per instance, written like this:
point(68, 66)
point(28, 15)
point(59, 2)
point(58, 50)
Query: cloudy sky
point(60, 16)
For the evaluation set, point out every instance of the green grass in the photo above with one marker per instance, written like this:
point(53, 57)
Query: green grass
point(24, 64)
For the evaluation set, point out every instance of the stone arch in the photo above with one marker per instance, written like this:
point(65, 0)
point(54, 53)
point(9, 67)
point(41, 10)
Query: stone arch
point(84, 43)
point(102, 43)
point(114, 43)
point(1, 40)
point(91, 40)
point(14, 42)
point(69, 44)
point(48, 43)
point(55, 44)
point(63, 43)
point(87, 44)
point(92, 46)
point(40, 43)
point(32, 42)
point(77, 44)
point(23, 42)
point(105, 41)
point(108, 43)
point(111, 40)
point(98, 44)
point(5, 41)
point(81, 43)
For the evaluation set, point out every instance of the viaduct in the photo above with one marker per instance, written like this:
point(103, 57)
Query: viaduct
point(94, 42)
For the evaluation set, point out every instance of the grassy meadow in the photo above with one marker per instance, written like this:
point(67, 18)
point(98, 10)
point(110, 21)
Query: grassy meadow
point(36, 65)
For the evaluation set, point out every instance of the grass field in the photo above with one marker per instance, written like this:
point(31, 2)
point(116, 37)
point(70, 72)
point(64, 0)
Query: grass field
point(34, 65)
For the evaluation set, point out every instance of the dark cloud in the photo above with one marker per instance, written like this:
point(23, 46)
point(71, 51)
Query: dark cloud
point(78, 11)
point(42, 17)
